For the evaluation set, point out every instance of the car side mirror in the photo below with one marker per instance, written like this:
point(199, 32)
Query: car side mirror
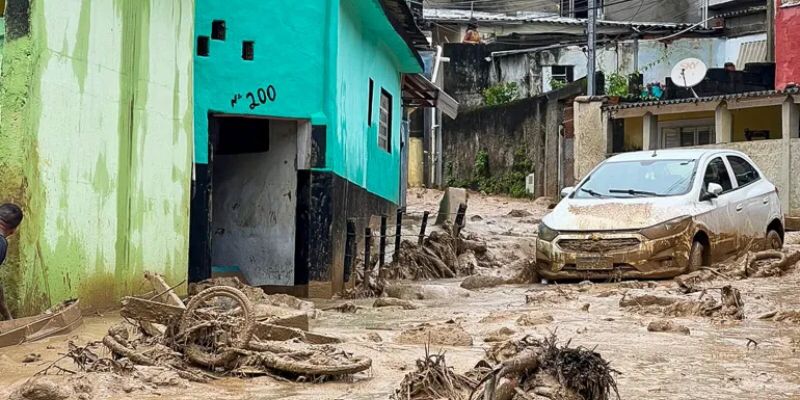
point(565, 192)
point(712, 192)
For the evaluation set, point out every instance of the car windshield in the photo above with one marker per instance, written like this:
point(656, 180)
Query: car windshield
point(648, 178)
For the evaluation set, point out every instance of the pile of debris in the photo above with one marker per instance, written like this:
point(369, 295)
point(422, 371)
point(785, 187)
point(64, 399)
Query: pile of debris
point(443, 254)
point(728, 305)
point(525, 369)
point(760, 264)
point(216, 332)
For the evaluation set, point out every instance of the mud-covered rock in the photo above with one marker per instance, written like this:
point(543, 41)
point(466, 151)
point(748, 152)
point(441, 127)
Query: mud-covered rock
point(41, 388)
point(533, 319)
point(482, 281)
point(447, 334)
point(519, 214)
point(667, 326)
point(424, 292)
point(392, 302)
point(499, 335)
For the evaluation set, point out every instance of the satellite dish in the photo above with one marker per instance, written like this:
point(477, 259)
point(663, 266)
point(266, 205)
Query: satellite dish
point(688, 72)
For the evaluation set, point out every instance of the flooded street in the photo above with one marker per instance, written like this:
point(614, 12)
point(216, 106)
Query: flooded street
point(751, 358)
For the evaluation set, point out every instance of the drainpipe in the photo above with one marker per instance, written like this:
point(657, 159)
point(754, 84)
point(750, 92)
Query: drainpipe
point(771, 30)
point(435, 128)
point(560, 158)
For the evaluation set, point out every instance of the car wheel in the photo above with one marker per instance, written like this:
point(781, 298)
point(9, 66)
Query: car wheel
point(696, 256)
point(774, 240)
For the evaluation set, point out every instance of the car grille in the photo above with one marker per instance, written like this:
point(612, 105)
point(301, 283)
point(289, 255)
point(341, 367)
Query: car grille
point(598, 246)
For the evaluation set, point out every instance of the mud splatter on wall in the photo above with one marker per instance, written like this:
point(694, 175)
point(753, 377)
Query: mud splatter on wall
point(96, 125)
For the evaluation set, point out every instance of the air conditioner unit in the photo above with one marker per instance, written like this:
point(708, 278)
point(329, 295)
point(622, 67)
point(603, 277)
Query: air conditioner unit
point(530, 183)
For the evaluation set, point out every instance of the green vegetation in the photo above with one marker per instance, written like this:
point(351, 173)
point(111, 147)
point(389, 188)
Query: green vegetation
point(617, 85)
point(500, 94)
point(512, 182)
point(556, 84)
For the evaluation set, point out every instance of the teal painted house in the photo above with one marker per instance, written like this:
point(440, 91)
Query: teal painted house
point(299, 112)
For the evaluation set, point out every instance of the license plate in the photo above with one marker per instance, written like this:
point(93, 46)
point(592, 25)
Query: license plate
point(594, 263)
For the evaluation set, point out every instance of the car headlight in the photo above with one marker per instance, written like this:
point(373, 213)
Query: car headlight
point(545, 233)
point(669, 228)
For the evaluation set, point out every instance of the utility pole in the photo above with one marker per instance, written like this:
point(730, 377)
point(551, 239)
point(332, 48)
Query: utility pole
point(770, 31)
point(590, 72)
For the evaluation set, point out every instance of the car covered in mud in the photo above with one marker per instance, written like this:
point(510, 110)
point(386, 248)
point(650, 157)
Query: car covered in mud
point(657, 214)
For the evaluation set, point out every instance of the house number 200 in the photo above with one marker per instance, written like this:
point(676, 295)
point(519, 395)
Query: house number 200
point(262, 96)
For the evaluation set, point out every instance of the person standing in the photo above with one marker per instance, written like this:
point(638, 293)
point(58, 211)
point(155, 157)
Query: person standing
point(472, 36)
point(10, 218)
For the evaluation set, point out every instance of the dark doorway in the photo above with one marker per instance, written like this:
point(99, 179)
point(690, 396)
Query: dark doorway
point(244, 202)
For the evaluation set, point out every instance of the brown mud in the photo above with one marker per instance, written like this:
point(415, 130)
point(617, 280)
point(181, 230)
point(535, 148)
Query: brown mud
point(750, 358)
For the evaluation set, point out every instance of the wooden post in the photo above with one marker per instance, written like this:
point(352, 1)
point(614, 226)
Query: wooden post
point(367, 256)
point(422, 230)
point(398, 226)
point(349, 249)
point(462, 211)
point(382, 246)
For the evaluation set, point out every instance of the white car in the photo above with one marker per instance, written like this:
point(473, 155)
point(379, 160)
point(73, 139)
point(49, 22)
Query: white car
point(657, 214)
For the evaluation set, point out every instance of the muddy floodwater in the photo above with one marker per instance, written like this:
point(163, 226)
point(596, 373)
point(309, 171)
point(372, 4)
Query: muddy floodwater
point(718, 359)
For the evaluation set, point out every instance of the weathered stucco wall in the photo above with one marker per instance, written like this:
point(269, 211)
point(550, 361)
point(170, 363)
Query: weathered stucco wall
point(794, 196)
point(591, 141)
point(520, 137)
point(255, 207)
point(500, 131)
point(96, 131)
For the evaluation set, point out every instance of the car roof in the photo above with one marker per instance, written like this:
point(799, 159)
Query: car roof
point(670, 154)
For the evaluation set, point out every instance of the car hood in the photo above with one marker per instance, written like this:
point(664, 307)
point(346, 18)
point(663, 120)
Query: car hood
point(615, 214)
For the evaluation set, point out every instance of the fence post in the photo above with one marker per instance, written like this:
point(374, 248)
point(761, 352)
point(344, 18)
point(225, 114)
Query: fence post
point(422, 230)
point(462, 210)
point(382, 248)
point(398, 227)
point(367, 256)
point(349, 249)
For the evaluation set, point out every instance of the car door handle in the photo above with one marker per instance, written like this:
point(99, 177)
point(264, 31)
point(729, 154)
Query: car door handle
point(739, 207)
point(765, 200)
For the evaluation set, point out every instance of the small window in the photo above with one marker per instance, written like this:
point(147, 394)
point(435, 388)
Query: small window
point(717, 173)
point(369, 104)
point(385, 122)
point(579, 8)
point(218, 30)
point(686, 136)
point(248, 50)
point(744, 172)
point(202, 46)
point(562, 73)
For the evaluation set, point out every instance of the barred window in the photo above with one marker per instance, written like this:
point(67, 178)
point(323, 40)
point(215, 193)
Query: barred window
point(385, 122)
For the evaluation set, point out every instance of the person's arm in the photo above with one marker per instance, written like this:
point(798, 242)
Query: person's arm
point(3, 248)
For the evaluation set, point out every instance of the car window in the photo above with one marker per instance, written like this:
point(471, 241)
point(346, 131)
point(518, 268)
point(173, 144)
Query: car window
point(717, 173)
point(639, 178)
point(744, 172)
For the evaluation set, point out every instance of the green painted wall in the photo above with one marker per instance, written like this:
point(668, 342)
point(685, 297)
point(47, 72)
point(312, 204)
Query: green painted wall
point(368, 48)
point(318, 55)
point(96, 120)
point(288, 55)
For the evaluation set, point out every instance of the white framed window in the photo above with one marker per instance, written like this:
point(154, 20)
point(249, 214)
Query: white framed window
point(562, 73)
point(385, 122)
point(686, 133)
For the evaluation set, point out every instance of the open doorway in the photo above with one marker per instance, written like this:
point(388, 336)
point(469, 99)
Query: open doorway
point(245, 202)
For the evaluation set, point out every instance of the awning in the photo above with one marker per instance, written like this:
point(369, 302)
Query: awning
point(418, 91)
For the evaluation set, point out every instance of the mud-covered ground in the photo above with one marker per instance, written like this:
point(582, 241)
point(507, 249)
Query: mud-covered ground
point(718, 359)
